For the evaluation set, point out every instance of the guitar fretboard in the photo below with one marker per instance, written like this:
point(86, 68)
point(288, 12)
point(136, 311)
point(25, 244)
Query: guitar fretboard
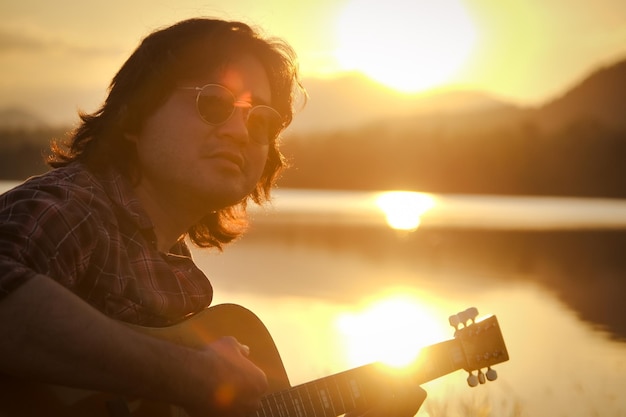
point(358, 388)
point(327, 397)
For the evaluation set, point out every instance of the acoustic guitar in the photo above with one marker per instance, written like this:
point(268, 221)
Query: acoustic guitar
point(476, 346)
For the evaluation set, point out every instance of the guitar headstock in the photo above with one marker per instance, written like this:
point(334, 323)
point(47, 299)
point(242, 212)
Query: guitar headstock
point(481, 343)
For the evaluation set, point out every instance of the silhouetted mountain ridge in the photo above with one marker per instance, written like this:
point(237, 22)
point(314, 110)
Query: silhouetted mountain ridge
point(601, 97)
point(18, 118)
point(352, 100)
point(571, 146)
point(462, 142)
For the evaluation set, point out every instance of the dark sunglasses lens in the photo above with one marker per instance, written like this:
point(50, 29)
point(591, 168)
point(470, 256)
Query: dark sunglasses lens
point(264, 124)
point(215, 104)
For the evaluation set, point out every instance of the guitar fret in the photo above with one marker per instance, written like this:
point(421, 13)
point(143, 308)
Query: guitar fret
point(343, 391)
point(351, 390)
point(311, 410)
point(288, 403)
point(326, 400)
point(336, 395)
point(265, 404)
point(360, 386)
point(297, 403)
point(325, 403)
point(274, 404)
point(316, 399)
point(283, 411)
point(355, 391)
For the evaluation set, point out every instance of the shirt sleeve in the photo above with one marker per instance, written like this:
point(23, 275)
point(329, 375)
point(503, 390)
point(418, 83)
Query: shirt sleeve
point(43, 231)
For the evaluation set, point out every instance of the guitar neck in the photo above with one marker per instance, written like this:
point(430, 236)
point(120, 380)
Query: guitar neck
point(358, 388)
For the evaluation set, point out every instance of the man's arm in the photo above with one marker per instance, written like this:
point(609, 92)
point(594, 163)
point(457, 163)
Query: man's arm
point(51, 335)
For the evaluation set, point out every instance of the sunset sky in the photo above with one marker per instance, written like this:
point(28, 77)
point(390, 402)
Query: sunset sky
point(59, 56)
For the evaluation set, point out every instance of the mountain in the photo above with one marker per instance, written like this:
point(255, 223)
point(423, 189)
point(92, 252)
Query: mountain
point(574, 145)
point(369, 137)
point(16, 118)
point(352, 100)
point(601, 98)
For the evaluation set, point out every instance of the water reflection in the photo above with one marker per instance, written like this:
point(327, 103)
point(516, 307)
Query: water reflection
point(559, 365)
point(550, 269)
point(404, 209)
point(572, 246)
point(390, 329)
point(447, 211)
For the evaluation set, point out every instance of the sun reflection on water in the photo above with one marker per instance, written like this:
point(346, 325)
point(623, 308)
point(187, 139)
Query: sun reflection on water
point(391, 330)
point(403, 209)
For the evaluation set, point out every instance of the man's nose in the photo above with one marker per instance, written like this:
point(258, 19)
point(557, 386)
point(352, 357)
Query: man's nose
point(235, 127)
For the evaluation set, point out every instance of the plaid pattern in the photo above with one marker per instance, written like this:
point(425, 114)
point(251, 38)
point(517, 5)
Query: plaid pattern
point(90, 234)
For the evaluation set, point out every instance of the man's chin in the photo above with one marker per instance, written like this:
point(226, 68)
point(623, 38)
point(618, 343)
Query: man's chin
point(215, 200)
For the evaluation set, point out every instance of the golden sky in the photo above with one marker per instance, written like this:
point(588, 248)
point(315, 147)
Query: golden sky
point(57, 56)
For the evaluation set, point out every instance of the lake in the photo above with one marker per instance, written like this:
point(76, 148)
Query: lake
point(345, 278)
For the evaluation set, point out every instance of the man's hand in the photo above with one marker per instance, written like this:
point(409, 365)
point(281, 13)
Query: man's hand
point(238, 384)
point(216, 380)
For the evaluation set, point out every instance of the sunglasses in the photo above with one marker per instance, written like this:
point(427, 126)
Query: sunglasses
point(216, 104)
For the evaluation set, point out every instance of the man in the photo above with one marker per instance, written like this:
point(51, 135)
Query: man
point(187, 136)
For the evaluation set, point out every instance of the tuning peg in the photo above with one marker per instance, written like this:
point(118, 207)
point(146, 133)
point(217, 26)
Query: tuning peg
point(468, 315)
point(492, 375)
point(454, 321)
point(463, 317)
point(481, 377)
point(472, 380)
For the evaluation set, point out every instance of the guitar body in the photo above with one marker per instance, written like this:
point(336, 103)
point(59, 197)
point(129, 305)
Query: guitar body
point(24, 398)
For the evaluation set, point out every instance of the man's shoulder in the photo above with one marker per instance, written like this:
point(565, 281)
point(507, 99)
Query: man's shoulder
point(69, 177)
point(72, 185)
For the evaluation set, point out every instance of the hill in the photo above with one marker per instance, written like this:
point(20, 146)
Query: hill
point(352, 100)
point(13, 118)
point(454, 142)
point(599, 98)
point(574, 145)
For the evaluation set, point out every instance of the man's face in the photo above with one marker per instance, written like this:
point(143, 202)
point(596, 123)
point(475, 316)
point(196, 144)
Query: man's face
point(199, 167)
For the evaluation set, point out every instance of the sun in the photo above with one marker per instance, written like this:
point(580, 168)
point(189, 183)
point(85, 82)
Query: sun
point(407, 45)
point(391, 330)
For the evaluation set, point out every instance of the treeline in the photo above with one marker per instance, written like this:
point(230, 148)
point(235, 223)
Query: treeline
point(22, 151)
point(584, 158)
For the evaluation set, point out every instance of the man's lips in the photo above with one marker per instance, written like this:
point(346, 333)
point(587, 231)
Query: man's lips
point(226, 155)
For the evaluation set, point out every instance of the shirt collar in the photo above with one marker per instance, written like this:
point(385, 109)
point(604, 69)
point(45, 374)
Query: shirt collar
point(121, 192)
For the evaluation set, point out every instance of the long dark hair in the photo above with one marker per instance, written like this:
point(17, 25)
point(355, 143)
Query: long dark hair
point(185, 50)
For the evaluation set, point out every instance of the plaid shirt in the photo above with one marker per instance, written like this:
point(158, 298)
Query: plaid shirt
point(91, 234)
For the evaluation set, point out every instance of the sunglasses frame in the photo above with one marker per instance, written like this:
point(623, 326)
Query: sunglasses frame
point(236, 103)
